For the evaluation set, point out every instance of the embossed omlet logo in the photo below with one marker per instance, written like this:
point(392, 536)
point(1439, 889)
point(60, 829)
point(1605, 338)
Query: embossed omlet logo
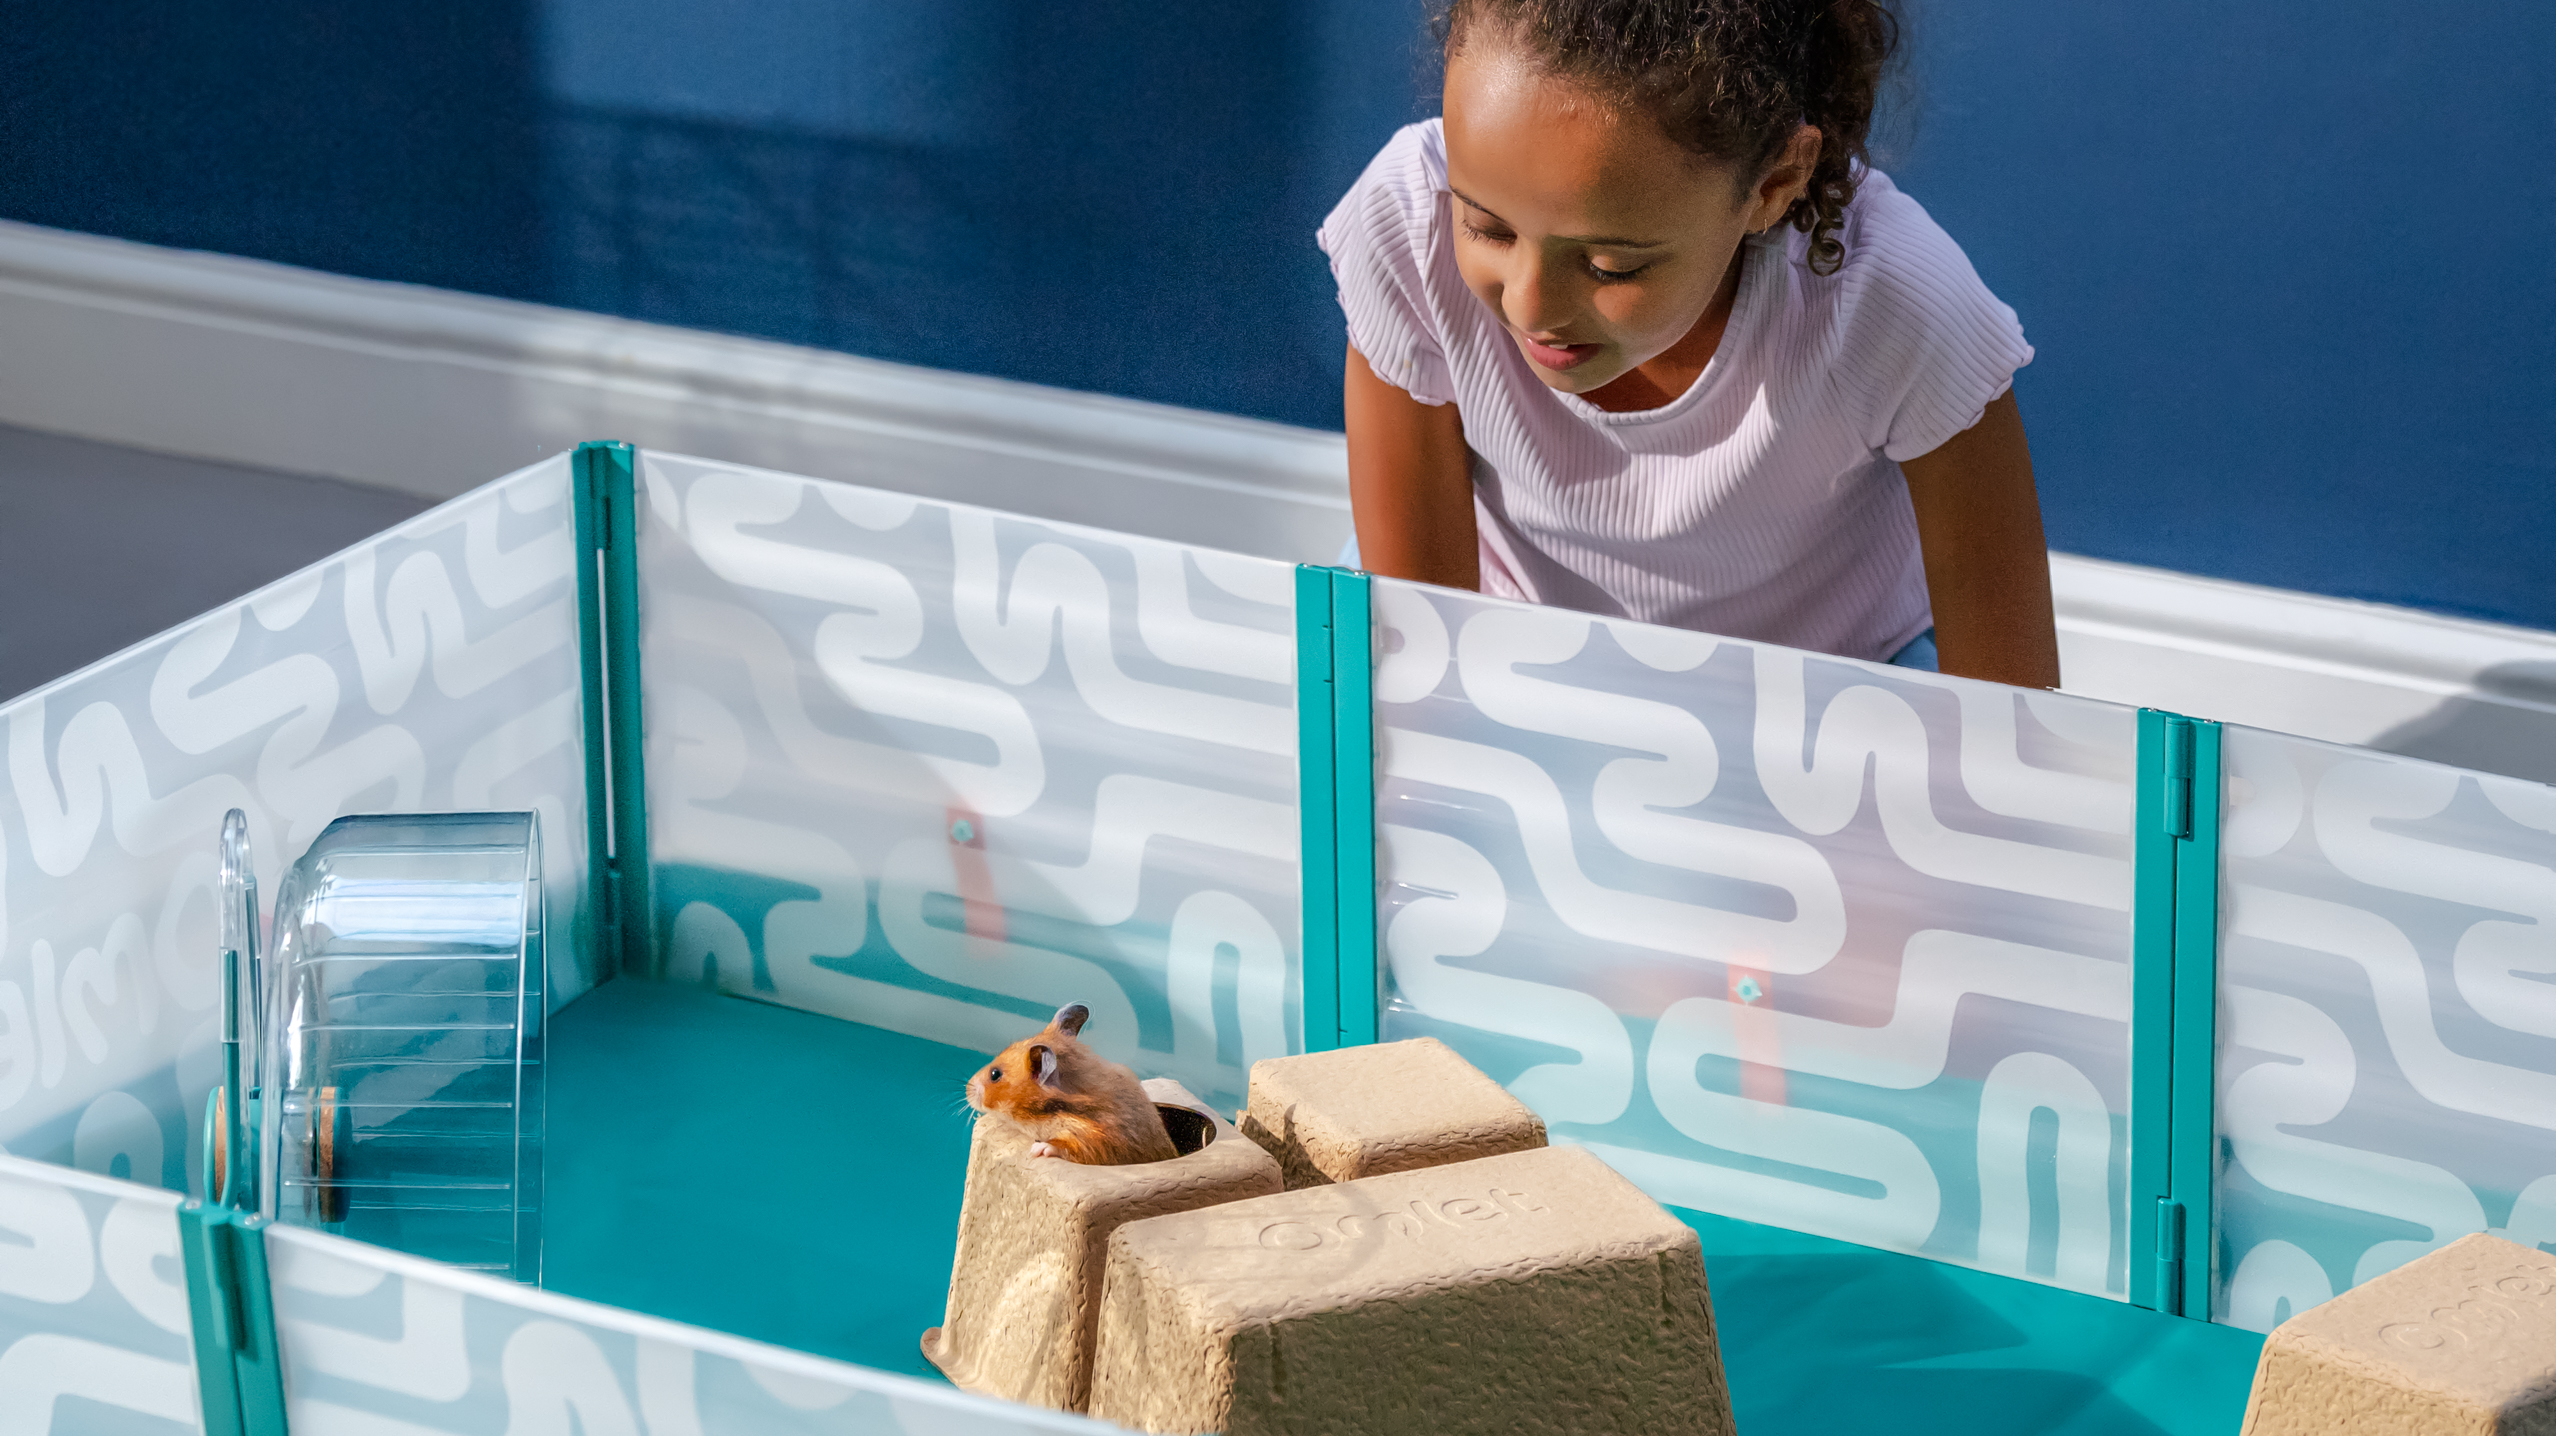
point(2491, 1312)
point(1415, 1221)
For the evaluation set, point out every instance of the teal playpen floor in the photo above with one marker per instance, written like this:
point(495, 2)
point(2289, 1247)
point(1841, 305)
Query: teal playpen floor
point(796, 1179)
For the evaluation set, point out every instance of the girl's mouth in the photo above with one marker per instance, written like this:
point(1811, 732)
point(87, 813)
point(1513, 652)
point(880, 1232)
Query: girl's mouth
point(1558, 356)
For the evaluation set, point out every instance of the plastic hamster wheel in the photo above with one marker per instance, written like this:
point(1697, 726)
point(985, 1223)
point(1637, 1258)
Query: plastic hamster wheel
point(400, 1078)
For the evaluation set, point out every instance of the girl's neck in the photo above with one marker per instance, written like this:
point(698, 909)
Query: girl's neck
point(1661, 379)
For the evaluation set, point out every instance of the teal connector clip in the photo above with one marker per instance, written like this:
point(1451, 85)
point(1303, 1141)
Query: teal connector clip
point(238, 1367)
point(2169, 1257)
point(1316, 791)
point(605, 489)
point(2174, 1012)
point(1336, 798)
point(1353, 772)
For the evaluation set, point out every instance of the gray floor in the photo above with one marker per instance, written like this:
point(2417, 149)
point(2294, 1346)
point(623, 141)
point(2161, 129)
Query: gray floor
point(101, 547)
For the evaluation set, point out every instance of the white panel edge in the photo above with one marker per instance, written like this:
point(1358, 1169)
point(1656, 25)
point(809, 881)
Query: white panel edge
point(655, 1328)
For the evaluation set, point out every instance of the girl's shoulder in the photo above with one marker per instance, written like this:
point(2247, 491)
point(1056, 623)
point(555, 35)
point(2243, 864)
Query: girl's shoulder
point(1911, 336)
point(1397, 193)
point(1389, 252)
point(1889, 239)
point(1416, 157)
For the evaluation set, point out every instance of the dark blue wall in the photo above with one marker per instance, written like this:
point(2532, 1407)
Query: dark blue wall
point(2286, 269)
point(2288, 272)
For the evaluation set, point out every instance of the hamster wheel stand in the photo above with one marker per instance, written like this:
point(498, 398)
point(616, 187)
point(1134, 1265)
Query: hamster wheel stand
point(397, 1040)
point(231, 1108)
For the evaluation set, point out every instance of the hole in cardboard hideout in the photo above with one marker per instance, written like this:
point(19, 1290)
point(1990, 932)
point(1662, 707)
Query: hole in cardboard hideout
point(1190, 1130)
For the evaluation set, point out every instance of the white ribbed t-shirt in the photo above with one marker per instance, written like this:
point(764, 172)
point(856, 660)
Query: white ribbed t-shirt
point(1766, 501)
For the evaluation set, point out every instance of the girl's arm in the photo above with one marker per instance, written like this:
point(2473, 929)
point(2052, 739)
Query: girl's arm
point(1987, 566)
point(1410, 483)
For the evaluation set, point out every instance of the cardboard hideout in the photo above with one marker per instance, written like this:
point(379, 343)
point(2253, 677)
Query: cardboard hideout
point(1393, 1107)
point(1433, 1266)
point(2460, 1340)
point(1536, 1291)
point(1025, 1288)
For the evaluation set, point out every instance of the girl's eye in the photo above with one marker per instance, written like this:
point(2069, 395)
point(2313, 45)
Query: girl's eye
point(1489, 236)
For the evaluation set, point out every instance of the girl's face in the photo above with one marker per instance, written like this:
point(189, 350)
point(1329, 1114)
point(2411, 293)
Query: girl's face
point(1597, 240)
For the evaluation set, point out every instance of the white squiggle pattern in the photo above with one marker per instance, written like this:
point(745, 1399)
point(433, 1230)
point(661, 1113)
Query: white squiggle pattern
point(2387, 1018)
point(85, 1310)
point(1017, 765)
point(1938, 971)
point(2502, 966)
point(1040, 977)
point(298, 697)
point(2017, 1087)
point(2309, 1089)
point(1801, 943)
point(1458, 912)
point(295, 704)
point(95, 776)
point(775, 677)
point(417, 616)
point(1169, 628)
point(492, 1356)
point(1058, 591)
point(1869, 726)
point(1997, 778)
point(698, 757)
point(1790, 938)
point(1632, 801)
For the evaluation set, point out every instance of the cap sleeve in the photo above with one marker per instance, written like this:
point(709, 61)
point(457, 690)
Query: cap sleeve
point(1926, 348)
point(1378, 238)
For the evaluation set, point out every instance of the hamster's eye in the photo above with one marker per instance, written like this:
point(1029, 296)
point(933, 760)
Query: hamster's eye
point(993, 1074)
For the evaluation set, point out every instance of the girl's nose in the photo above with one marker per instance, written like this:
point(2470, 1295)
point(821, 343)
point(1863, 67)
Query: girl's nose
point(1532, 301)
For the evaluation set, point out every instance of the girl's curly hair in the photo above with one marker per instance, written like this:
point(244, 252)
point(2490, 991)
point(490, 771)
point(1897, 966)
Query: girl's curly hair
point(1727, 79)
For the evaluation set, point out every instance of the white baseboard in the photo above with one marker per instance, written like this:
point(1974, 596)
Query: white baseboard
point(430, 392)
point(2477, 695)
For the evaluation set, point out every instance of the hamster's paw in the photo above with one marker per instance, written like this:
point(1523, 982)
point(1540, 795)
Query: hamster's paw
point(1041, 1149)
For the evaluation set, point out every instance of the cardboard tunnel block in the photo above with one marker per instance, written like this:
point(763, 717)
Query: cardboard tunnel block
point(1536, 1291)
point(1392, 1107)
point(2460, 1340)
point(1025, 1286)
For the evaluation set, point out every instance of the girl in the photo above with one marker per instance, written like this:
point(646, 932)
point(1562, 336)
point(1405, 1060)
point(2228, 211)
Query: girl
point(1633, 330)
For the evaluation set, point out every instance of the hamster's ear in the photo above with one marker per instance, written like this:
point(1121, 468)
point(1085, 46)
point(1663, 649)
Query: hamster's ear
point(1070, 1020)
point(1042, 1065)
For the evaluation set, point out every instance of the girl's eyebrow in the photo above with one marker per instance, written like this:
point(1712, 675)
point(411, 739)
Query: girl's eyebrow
point(1600, 241)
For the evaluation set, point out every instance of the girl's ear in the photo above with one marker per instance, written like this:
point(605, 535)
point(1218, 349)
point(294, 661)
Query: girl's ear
point(1042, 1064)
point(1787, 181)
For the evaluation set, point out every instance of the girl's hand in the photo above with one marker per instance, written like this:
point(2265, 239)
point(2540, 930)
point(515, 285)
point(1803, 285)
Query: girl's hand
point(1410, 483)
point(1987, 565)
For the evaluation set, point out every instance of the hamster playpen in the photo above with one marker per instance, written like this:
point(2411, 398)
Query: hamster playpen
point(2019, 1057)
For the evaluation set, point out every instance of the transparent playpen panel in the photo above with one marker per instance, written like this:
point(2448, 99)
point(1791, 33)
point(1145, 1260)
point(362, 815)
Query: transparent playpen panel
point(377, 1342)
point(432, 667)
point(1823, 944)
point(2387, 1018)
point(943, 770)
point(94, 1332)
